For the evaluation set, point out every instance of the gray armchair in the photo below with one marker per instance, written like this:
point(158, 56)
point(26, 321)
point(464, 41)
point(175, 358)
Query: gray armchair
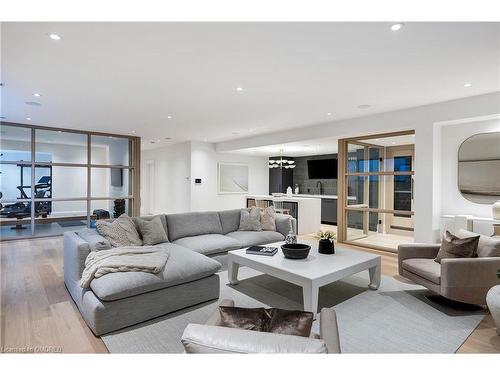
point(212, 338)
point(460, 279)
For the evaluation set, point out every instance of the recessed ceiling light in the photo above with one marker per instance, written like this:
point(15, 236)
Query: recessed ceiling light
point(467, 84)
point(28, 118)
point(239, 88)
point(393, 143)
point(364, 106)
point(169, 117)
point(54, 37)
point(377, 139)
point(329, 114)
point(133, 131)
point(59, 131)
point(397, 26)
point(35, 94)
point(36, 104)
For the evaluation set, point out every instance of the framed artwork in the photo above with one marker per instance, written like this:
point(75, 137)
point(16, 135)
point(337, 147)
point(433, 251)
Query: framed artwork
point(232, 178)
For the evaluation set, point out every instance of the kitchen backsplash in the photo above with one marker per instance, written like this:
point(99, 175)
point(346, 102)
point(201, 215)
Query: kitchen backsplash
point(307, 186)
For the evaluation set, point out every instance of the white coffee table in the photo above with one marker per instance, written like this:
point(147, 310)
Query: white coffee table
point(310, 273)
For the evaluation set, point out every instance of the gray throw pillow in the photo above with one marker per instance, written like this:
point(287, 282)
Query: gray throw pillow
point(487, 247)
point(95, 240)
point(454, 247)
point(152, 231)
point(268, 219)
point(250, 219)
point(120, 232)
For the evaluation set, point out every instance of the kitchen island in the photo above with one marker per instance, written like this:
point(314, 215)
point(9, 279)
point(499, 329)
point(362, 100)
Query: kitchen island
point(307, 210)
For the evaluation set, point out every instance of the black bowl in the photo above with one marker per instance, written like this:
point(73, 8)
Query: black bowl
point(296, 250)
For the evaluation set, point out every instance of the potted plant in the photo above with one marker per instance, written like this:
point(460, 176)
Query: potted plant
point(493, 302)
point(326, 241)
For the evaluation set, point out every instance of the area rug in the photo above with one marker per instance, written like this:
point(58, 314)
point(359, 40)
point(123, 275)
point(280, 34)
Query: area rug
point(396, 318)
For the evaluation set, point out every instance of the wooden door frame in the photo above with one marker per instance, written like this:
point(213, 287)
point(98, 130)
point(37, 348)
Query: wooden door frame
point(343, 175)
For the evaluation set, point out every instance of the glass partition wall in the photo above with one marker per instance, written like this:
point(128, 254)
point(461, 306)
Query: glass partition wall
point(376, 182)
point(55, 180)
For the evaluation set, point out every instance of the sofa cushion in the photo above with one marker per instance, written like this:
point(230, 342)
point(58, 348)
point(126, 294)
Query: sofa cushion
point(193, 224)
point(425, 268)
point(95, 240)
point(487, 247)
point(230, 220)
point(248, 238)
point(209, 243)
point(183, 266)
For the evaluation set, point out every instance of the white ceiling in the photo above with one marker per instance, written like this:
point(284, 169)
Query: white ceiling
point(125, 77)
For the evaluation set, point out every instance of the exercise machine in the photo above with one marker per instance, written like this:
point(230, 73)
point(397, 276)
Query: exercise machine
point(22, 210)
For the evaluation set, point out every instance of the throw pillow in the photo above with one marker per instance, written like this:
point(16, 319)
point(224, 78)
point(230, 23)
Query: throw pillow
point(267, 219)
point(454, 247)
point(487, 247)
point(250, 219)
point(152, 231)
point(286, 322)
point(120, 232)
point(238, 317)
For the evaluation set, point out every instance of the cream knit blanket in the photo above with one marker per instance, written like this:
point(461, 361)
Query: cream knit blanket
point(150, 259)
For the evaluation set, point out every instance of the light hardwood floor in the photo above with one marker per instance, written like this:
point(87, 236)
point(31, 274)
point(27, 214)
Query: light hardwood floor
point(37, 312)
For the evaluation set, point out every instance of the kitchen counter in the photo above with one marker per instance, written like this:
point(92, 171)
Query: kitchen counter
point(294, 198)
point(321, 196)
point(307, 210)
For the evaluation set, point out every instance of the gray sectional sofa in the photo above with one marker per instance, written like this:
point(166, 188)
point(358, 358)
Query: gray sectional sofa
point(198, 244)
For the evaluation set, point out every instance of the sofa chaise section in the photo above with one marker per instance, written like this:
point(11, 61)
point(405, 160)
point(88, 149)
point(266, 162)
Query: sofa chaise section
point(121, 299)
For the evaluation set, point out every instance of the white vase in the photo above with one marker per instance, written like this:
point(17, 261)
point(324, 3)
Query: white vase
point(495, 209)
point(493, 302)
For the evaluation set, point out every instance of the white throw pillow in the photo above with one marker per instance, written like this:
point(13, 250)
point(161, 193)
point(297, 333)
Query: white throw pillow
point(268, 219)
point(250, 219)
point(120, 232)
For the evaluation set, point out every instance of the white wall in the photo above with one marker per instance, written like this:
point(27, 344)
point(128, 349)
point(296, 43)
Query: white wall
point(452, 136)
point(204, 196)
point(427, 146)
point(172, 168)
point(175, 169)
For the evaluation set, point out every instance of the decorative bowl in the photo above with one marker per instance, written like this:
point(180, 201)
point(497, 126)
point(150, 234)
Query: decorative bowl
point(296, 250)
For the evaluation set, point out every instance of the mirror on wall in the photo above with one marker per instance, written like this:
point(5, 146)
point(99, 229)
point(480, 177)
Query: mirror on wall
point(479, 168)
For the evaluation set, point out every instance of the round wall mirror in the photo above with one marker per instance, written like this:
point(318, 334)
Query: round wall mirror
point(479, 168)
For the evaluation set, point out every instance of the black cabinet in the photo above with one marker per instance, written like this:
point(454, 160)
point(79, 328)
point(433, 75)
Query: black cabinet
point(280, 179)
point(329, 211)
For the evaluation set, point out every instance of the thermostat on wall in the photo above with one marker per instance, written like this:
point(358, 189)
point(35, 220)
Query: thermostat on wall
point(197, 180)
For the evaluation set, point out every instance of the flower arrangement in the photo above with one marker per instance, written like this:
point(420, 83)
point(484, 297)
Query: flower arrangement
point(326, 235)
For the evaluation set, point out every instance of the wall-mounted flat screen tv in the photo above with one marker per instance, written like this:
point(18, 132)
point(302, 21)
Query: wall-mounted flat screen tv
point(322, 168)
